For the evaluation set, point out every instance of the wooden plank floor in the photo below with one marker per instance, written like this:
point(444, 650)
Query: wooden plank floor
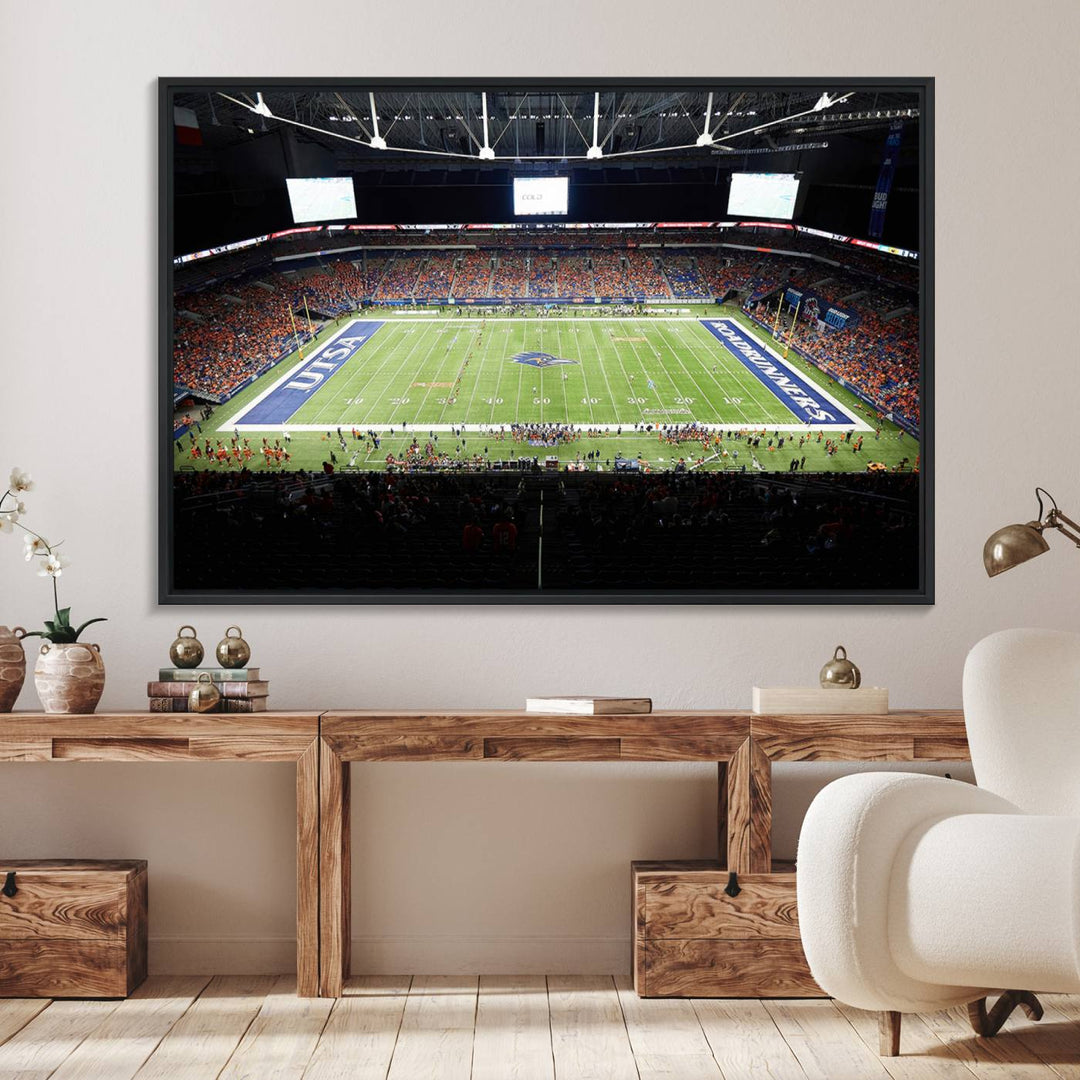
point(525, 1027)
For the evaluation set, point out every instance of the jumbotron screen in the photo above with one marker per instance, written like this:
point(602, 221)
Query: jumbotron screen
point(541, 195)
point(322, 198)
point(770, 195)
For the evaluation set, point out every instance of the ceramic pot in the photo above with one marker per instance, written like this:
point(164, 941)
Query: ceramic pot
point(69, 678)
point(12, 666)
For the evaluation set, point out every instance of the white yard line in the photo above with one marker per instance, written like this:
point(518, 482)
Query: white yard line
point(624, 424)
point(601, 360)
point(719, 386)
point(361, 372)
point(405, 360)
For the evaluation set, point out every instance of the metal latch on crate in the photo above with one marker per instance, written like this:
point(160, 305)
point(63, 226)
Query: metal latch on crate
point(732, 887)
point(9, 884)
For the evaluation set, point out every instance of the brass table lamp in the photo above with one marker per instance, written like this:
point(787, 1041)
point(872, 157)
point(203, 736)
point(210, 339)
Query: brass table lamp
point(1014, 544)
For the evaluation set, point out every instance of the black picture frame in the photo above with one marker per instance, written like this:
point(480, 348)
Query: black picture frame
point(170, 593)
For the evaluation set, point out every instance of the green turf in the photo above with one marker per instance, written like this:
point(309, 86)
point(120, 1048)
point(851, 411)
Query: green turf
point(410, 370)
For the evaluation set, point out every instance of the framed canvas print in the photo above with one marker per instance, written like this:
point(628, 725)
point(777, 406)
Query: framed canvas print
point(539, 340)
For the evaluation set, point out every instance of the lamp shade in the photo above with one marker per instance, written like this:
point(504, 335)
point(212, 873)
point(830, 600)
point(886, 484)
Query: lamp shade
point(1012, 545)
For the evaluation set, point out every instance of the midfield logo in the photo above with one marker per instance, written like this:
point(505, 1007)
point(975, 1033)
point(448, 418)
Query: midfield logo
point(539, 359)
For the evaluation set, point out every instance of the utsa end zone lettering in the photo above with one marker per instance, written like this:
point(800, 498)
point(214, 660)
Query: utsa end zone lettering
point(279, 403)
point(777, 375)
point(328, 362)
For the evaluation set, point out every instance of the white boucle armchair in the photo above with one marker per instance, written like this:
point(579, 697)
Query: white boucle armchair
point(917, 893)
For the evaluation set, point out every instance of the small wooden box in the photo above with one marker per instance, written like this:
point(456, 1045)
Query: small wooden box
point(72, 928)
point(817, 701)
point(691, 939)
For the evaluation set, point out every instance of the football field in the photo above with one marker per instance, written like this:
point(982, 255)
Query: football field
point(611, 377)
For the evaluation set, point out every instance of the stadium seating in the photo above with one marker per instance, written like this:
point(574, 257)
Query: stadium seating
point(575, 276)
point(379, 530)
point(683, 278)
point(473, 277)
point(610, 274)
point(228, 330)
point(542, 275)
point(436, 275)
point(399, 280)
point(644, 276)
point(508, 280)
point(232, 336)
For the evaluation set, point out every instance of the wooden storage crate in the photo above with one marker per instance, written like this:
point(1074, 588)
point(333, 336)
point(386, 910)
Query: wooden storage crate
point(691, 939)
point(72, 928)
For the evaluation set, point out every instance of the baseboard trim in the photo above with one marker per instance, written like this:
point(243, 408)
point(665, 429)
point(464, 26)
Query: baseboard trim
point(431, 954)
point(443, 954)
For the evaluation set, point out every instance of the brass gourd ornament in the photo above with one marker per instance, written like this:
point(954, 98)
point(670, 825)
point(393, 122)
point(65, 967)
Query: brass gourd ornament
point(204, 695)
point(840, 673)
point(233, 652)
point(186, 651)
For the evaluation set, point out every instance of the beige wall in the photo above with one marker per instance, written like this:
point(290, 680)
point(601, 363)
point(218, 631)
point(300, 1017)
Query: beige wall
point(494, 867)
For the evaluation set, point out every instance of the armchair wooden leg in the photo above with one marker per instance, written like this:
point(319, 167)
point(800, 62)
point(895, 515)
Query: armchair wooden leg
point(889, 1033)
point(988, 1024)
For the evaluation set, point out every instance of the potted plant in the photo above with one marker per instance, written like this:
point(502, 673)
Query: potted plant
point(69, 674)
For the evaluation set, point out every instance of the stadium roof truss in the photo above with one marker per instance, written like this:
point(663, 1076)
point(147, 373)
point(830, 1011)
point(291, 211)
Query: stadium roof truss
point(555, 125)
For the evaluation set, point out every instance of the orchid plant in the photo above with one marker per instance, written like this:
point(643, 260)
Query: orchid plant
point(51, 564)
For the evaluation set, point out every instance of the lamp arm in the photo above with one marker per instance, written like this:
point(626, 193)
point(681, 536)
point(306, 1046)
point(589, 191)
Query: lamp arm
point(1056, 519)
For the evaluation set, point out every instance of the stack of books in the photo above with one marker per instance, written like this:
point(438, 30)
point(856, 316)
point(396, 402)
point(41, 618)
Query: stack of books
point(241, 689)
point(588, 706)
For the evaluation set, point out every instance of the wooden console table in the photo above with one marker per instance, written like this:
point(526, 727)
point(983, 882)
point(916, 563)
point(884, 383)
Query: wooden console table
point(743, 745)
point(322, 745)
point(260, 737)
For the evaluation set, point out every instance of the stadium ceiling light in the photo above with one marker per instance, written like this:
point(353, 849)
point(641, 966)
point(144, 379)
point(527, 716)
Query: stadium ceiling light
point(705, 138)
point(377, 141)
point(486, 153)
point(826, 101)
point(1015, 544)
point(594, 152)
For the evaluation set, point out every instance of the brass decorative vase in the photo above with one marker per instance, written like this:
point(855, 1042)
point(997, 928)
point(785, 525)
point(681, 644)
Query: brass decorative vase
point(186, 651)
point(69, 678)
point(12, 666)
point(840, 673)
point(233, 652)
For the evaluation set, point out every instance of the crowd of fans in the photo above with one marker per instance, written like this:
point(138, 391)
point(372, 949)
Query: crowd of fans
point(609, 274)
point(880, 358)
point(645, 277)
point(399, 280)
point(231, 337)
point(542, 280)
point(508, 280)
point(473, 277)
point(227, 332)
point(436, 275)
point(410, 530)
point(575, 276)
point(683, 277)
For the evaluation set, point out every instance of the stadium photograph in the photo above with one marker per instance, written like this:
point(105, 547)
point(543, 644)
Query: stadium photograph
point(546, 341)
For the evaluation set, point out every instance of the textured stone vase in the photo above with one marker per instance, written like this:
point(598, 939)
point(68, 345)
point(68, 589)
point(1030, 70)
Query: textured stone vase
point(69, 678)
point(12, 666)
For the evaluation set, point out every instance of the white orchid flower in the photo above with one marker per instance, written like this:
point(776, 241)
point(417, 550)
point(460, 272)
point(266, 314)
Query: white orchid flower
point(34, 545)
point(53, 566)
point(6, 522)
point(20, 481)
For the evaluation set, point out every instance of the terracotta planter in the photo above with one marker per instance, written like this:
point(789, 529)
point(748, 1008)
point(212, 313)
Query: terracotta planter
point(69, 678)
point(12, 666)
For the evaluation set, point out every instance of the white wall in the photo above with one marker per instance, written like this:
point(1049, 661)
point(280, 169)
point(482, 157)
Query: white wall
point(493, 867)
